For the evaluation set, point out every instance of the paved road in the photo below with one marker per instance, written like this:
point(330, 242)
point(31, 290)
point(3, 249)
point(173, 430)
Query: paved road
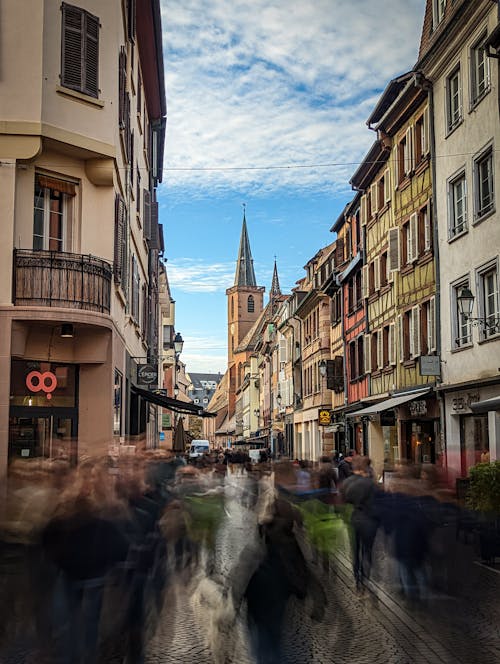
point(378, 627)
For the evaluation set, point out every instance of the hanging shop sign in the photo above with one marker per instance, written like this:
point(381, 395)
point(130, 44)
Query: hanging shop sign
point(147, 375)
point(430, 365)
point(325, 417)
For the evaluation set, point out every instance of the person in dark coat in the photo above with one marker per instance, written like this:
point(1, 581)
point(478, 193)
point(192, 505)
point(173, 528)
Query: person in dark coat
point(360, 491)
point(344, 467)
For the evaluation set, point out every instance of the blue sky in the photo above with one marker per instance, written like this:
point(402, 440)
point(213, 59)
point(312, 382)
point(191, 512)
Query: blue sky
point(267, 103)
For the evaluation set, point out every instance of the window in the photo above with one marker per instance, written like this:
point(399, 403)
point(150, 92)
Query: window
point(489, 300)
point(120, 263)
point(410, 341)
point(136, 289)
point(51, 227)
point(462, 329)
point(483, 181)
point(381, 192)
point(250, 304)
point(409, 240)
point(356, 358)
point(80, 51)
point(454, 99)
point(377, 351)
point(425, 228)
point(457, 195)
point(422, 136)
point(427, 327)
point(438, 9)
point(480, 73)
point(383, 269)
point(336, 307)
point(117, 404)
point(401, 160)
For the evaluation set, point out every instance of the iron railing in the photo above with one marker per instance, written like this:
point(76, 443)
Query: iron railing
point(61, 279)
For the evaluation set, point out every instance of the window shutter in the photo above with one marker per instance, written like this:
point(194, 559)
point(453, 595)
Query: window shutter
point(392, 343)
point(122, 86)
point(428, 227)
point(146, 214)
point(72, 38)
point(376, 272)
point(415, 332)
point(282, 345)
point(380, 349)
point(119, 236)
point(367, 351)
point(363, 210)
point(401, 339)
point(91, 56)
point(387, 185)
point(431, 325)
point(396, 153)
point(426, 133)
point(131, 19)
point(364, 281)
point(408, 154)
point(393, 241)
point(374, 198)
point(413, 239)
point(339, 251)
point(156, 228)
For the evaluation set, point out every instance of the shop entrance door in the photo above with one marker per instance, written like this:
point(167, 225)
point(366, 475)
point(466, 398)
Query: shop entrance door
point(42, 435)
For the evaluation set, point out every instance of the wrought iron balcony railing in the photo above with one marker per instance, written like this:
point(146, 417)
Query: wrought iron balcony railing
point(61, 279)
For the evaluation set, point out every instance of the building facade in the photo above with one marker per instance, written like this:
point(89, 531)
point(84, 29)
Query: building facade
point(81, 149)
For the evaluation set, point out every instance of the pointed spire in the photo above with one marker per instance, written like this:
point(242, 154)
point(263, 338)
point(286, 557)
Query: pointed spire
point(275, 285)
point(245, 275)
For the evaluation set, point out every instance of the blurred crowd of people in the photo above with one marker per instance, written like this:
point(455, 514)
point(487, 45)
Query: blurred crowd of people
point(87, 554)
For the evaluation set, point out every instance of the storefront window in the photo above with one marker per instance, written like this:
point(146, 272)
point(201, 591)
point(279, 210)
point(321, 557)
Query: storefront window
point(43, 384)
point(473, 440)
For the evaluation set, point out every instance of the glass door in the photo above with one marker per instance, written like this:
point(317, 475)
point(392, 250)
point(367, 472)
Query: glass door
point(42, 436)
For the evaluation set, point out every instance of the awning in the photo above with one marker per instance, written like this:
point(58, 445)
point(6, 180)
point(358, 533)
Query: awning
point(352, 265)
point(376, 408)
point(172, 404)
point(486, 405)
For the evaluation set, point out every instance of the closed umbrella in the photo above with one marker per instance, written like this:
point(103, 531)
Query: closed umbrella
point(179, 442)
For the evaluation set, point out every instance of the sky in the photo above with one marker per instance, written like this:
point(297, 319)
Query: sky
point(267, 102)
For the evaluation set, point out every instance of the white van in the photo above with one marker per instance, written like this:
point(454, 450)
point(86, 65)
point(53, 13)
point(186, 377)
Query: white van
point(198, 448)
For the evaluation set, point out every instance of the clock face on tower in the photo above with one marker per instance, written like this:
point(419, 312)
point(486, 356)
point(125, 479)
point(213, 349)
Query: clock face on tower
point(232, 328)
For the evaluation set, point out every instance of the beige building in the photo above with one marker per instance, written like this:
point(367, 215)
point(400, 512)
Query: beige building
point(82, 123)
point(455, 57)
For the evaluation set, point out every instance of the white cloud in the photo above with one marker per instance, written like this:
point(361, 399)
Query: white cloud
point(274, 82)
point(192, 275)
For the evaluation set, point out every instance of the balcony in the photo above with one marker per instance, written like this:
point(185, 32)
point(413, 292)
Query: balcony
point(61, 279)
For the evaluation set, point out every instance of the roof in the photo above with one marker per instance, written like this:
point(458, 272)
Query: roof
point(388, 96)
point(197, 378)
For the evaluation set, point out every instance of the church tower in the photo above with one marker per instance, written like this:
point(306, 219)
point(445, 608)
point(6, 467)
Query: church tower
point(245, 300)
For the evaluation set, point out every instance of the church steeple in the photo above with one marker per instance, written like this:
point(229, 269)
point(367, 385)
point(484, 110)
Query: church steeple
point(245, 275)
point(275, 285)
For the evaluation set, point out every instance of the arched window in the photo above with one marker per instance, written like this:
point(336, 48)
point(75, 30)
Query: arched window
point(250, 304)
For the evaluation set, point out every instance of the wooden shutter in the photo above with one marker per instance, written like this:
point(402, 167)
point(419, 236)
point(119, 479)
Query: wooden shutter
point(282, 351)
point(376, 273)
point(364, 281)
point(122, 86)
point(415, 332)
point(409, 151)
point(339, 251)
point(393, 253)
point(131, 19)
point(428, 227)
point(131, 170)
point(119, 236)
point(363, 214)
point(387, 185)
point(72, 51)
point(392, 343)
point(380, 349)
point(412, 248)
point(426, 133)
point(431, 325)
point(146, 213)
point(367, 352)
point(91, 56)
point(401, 338)
point(374, 198)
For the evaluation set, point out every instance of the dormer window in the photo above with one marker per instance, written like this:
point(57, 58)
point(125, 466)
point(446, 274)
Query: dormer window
point(438, 9)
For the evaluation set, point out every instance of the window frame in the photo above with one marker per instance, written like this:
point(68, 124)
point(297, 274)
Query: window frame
point(453, 122)
point(459, 342)
point(482, 308)
point(486, 154)
point(453, 228)
point(476, 95)
point(65, 212)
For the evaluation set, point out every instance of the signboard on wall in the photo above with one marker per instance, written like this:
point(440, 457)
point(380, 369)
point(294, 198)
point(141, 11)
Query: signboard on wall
point(147, 375)
point(430, 365)
point(166, 421)
point(324, 417)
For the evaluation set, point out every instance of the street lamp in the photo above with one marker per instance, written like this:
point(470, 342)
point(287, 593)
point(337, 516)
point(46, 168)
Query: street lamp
point(178, 344)
point(322, 368)
point(465, 302)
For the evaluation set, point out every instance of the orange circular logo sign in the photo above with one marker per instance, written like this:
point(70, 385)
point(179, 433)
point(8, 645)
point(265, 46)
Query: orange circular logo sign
point(45, 382)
